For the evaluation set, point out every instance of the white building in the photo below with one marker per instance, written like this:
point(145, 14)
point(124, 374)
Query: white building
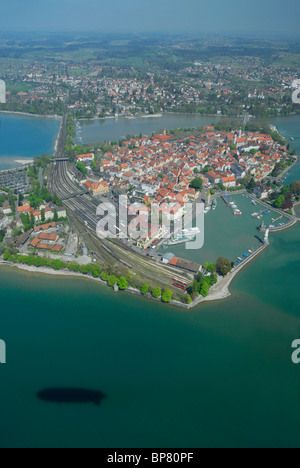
point(85, 157)
point(2, 92)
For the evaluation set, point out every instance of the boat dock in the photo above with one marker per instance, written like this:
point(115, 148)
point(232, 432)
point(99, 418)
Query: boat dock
point(226, 199)
point(260, 213)
point(232, 205)
point(252, 253)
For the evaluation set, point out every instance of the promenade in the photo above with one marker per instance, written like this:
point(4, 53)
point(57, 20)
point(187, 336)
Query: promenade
point(221, 290)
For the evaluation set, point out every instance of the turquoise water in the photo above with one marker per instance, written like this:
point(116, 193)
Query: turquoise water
point(290, 127)
point(24, 137)
point(228, 235)
point(218, 376)
point(113, 130)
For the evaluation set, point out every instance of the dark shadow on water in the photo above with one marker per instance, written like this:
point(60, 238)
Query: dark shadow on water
point(71, 395)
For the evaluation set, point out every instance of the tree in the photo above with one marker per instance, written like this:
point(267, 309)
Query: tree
point(252, 184)
point(57, 264)
point(96, 271)
point(188, 299)
point(197, 184)
point(167, 295)
point(199, 277)
point(104, 276)
point(31, 220)
point(295, 188)
point(223, 266)
point(2, 235)
point(93, 165)
point(210, 267)
point(123, 283)
point(112, 280)
point(145, 289)
point(279, 201)
point(81, 167)
point(213, 279)
point(156, 292)
point(204, 289)
point(85, 269)
point(43, 216)
point(55, 216)
point(6, 255)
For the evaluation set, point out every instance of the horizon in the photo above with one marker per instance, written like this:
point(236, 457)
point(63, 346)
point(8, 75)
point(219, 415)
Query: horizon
point(271, 18)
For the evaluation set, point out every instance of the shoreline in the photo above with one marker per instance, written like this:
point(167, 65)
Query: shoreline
point(162, 114)
point(25, 162)
point(218, 292)
point(221, 289)
point(19, 163)
point(133, 117)
point(122, 117)
point(27, 114)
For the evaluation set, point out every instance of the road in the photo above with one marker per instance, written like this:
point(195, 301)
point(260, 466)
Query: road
point(41, 172)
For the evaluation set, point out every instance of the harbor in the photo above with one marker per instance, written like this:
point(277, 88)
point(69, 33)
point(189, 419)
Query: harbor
point(233, 236)
point(235, 209)
point(182, 237)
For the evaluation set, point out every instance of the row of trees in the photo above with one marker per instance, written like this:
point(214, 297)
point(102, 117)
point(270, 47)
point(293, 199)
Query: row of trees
point(57, 264)
point(112, 280)
point(70, 140)
point(166, 294)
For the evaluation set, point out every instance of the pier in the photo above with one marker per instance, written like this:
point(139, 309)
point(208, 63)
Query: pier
point(260, 213)
point(291, 219)
point(225, 200)
point(221, 290)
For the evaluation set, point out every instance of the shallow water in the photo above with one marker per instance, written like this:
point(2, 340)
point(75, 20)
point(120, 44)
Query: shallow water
point(24, 137)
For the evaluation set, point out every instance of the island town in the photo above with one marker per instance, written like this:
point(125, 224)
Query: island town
point(168, 169)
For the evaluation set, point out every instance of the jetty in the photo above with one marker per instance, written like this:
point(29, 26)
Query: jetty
point(260, 213)
point(221, 290)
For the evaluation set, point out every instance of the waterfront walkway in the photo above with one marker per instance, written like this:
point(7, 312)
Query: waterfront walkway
point(221, 289)
point(292, 219)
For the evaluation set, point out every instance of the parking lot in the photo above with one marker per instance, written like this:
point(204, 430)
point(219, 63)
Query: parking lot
point(15, 180)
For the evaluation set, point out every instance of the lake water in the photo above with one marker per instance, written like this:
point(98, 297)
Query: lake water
point(24, 137)
point(290, 127)
point(218, 376)
point(228, 235)
point(114, 130)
